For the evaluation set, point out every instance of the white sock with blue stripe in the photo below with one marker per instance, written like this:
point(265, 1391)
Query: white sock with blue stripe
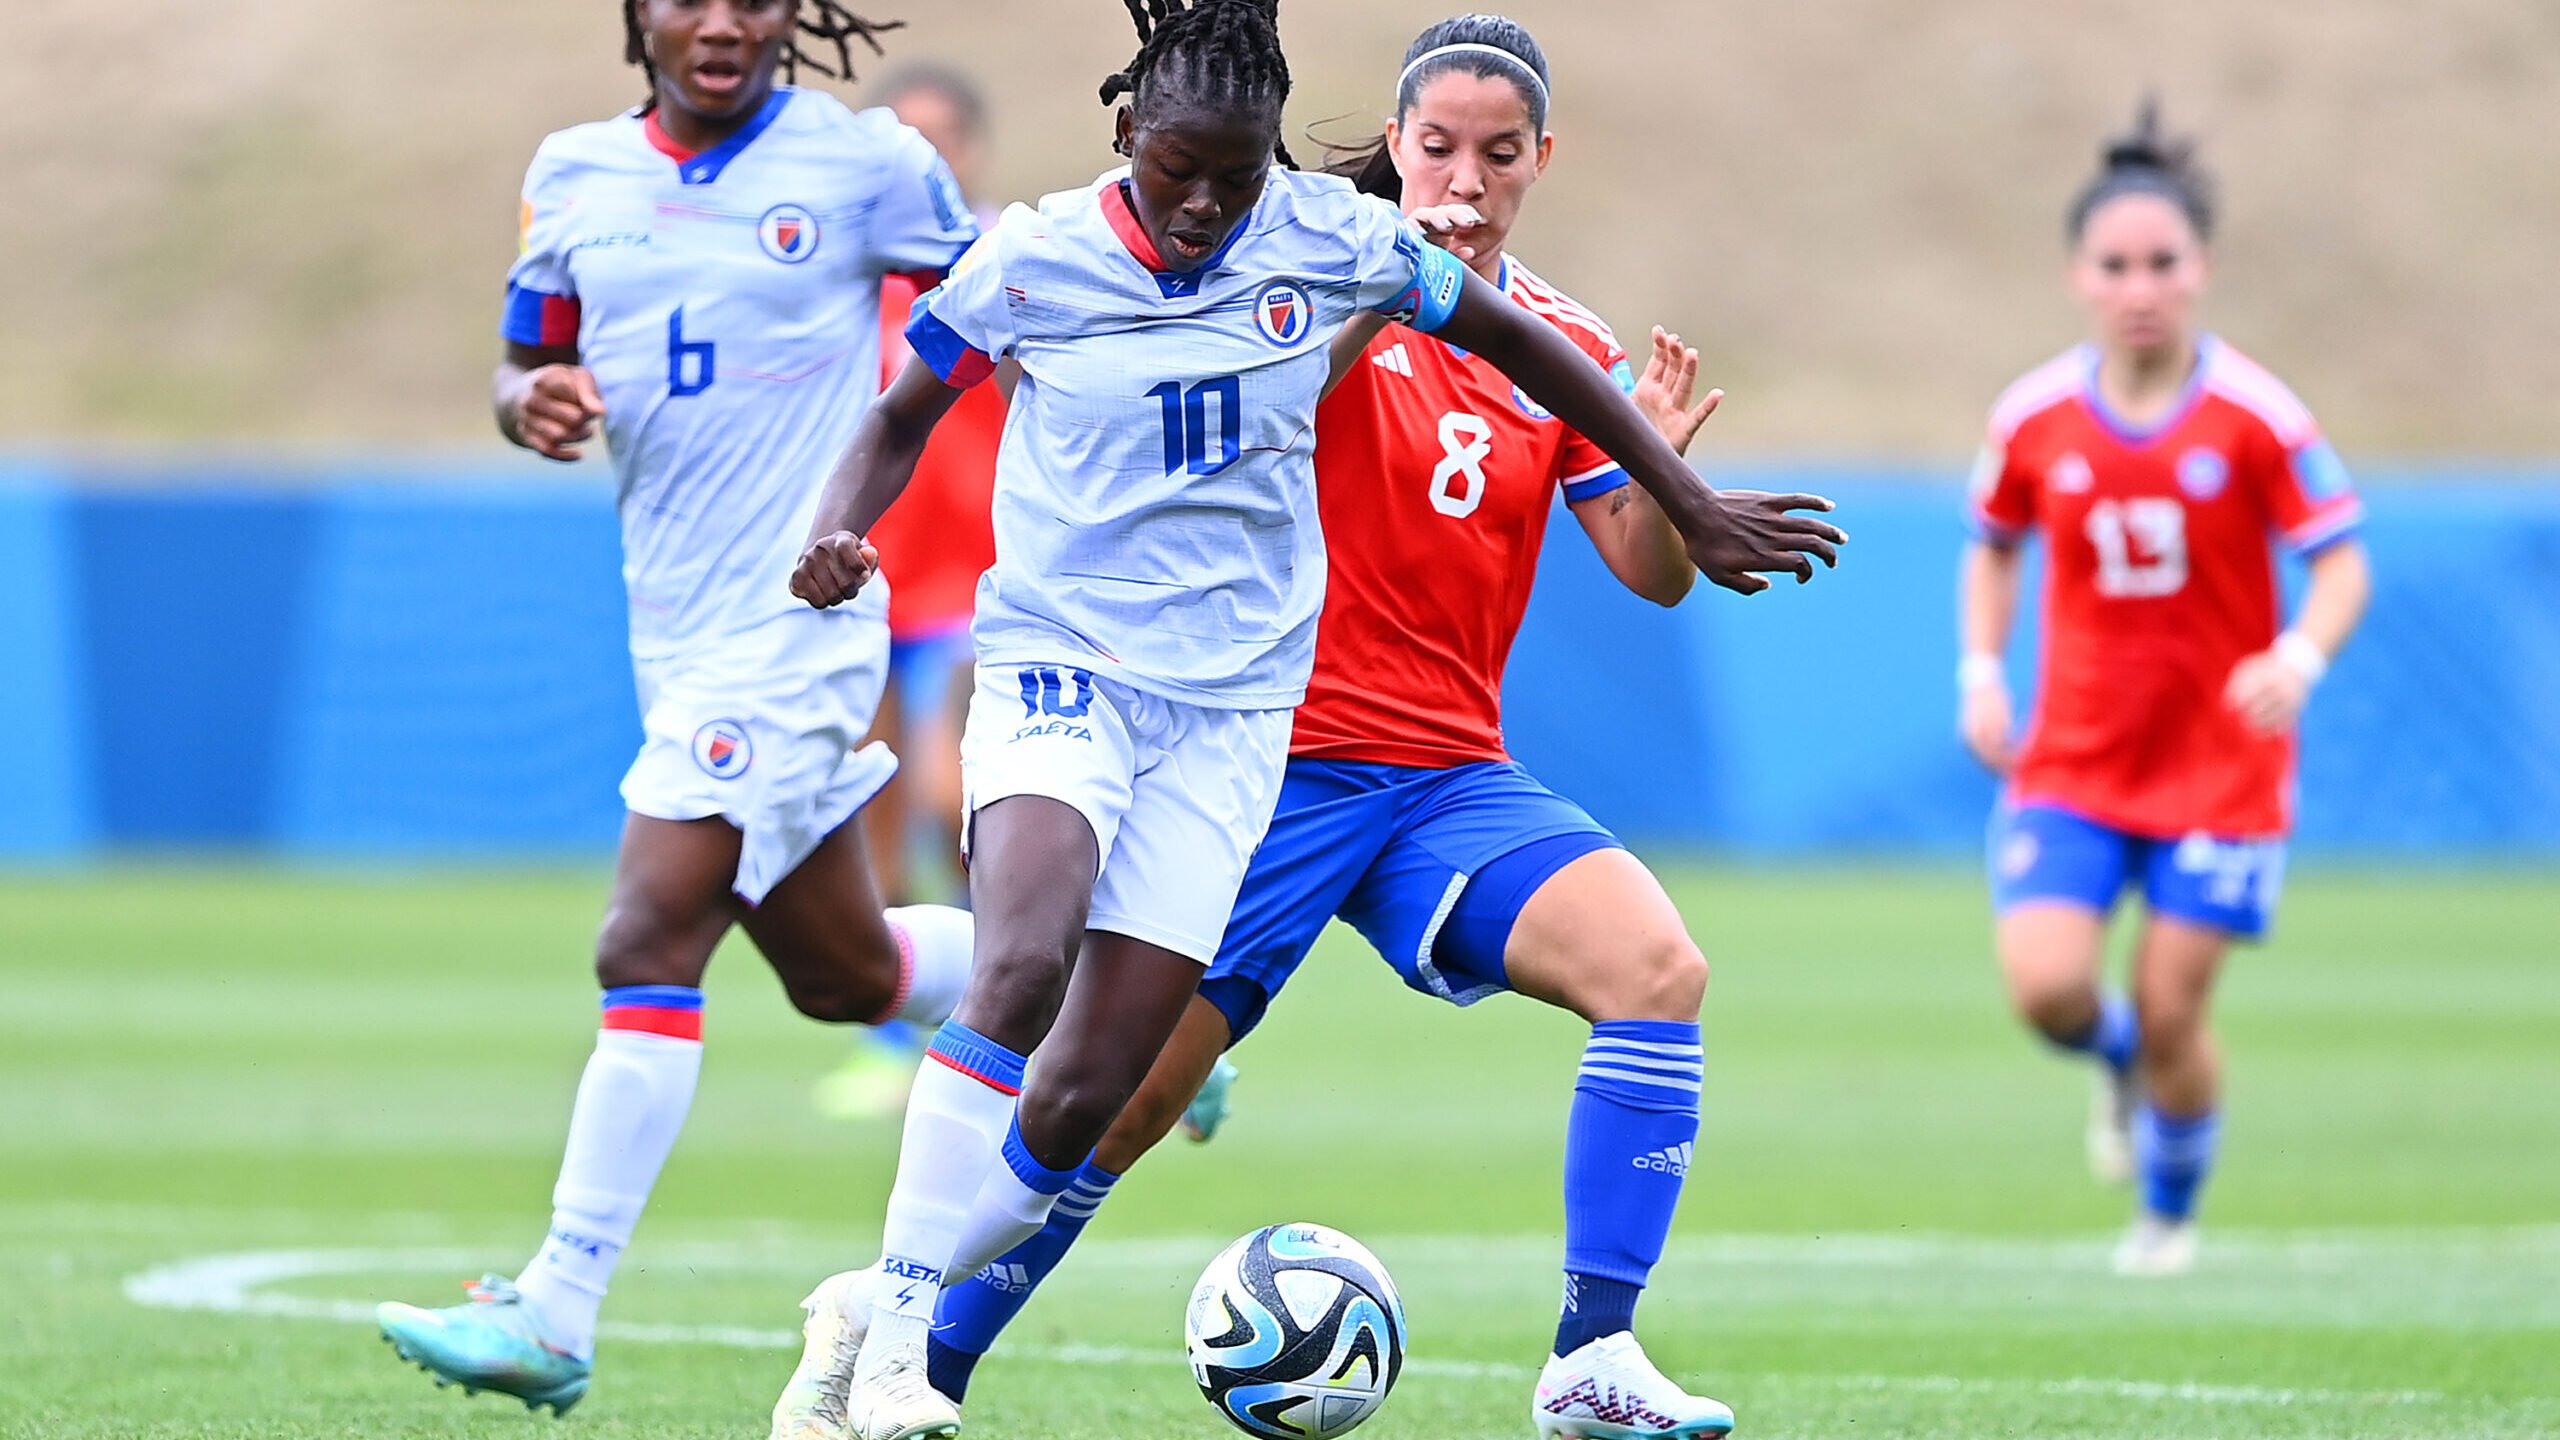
point(1628, 1148)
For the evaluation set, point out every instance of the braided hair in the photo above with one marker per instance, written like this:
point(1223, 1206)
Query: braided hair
point(2145, 161)
point(825, 23)
point(1520, 63)
point(1221, 52)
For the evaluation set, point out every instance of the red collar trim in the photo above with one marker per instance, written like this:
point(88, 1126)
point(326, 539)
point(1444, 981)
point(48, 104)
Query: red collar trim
point(662, 142)
point(1124, 223)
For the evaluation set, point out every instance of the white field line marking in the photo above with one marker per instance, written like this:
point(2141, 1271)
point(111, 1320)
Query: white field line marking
point(236, 1284)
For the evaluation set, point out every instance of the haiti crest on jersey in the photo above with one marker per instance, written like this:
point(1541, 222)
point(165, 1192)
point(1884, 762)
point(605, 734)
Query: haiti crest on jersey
point(721, 749)
point(2203, 473)
point(1284, 313)
point(788, 233)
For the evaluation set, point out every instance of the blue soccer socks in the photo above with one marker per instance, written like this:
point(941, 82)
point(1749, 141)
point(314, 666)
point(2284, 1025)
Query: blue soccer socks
point(2174, 1153)
point(2114, 1038)
point(975, 1311)
point(1628, 1147)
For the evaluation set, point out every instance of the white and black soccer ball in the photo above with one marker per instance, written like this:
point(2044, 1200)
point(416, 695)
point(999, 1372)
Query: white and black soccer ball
point(1295, 1332)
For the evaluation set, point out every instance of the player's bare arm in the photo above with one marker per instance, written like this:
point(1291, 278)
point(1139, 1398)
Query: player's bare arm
point(876, 467)
point(1733, 538)
point(1986, 606)
point(2270, 689)
point(545, 400)
point(1635, 539)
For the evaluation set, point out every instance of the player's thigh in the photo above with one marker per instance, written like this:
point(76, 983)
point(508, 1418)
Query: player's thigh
point(670, 902)
point(823, 932)
point(2176, 964)
point(2055, 875)
point(1331, 821)
point(1048, 762)
point(1601, 938)
point(1442, 898)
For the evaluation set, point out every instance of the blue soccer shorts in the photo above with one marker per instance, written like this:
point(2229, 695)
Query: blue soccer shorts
point(1432, 867)
point(2047, 852)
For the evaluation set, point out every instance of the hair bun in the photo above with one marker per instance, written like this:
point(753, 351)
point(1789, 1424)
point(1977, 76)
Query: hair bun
point(2144, 147)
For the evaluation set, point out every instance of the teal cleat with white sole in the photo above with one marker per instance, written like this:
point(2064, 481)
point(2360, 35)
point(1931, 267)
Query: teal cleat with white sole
point(494, 1342)
point(1208, 1109)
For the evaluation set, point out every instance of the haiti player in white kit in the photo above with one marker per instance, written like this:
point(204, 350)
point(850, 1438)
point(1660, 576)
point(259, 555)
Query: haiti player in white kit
point(701, 278)
point(1148, 625)
point(1403, 813)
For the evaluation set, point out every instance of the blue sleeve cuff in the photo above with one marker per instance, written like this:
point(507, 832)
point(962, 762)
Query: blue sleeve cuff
point(1593, 486)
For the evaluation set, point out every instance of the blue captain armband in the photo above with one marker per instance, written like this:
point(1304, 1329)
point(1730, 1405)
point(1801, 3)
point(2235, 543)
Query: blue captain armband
point(1438, 279)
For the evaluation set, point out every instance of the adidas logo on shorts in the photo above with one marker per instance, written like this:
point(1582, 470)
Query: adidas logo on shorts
point(1671, 1161)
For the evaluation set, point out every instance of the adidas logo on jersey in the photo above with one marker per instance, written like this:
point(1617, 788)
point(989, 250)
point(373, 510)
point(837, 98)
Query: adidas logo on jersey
point(1011, 1279)
point(1671, 1161)
point(1394, 359)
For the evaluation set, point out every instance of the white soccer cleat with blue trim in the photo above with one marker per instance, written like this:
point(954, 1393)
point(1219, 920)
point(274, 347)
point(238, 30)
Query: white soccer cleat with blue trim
point(1608, 1390)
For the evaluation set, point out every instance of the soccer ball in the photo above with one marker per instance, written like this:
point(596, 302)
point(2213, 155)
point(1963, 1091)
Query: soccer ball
point(1295, 1332)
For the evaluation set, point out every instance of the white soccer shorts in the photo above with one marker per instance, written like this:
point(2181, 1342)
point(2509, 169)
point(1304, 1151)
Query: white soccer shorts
point(763, 731)
point(1178, 795)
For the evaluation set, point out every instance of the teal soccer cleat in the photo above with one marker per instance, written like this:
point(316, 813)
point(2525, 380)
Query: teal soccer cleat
point(492, 1343)
point(1208, 1109)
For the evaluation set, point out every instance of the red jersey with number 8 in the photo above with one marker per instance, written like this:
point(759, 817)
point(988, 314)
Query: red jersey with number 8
point(1435, 475)
point(2160, 580)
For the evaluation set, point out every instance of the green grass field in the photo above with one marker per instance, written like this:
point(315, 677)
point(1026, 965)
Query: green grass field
point(242, 1105)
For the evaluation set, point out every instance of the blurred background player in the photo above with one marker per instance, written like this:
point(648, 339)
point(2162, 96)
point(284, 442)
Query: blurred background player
point(934, 544)
point(1156, 674)
point(700, 277)
point(2157, 463)
point(1401, 812)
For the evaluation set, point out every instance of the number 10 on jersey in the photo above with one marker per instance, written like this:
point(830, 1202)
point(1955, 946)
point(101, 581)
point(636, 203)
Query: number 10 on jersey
point(1186, 424)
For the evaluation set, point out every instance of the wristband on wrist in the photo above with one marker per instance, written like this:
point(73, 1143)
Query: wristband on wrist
point(1980, 669)
point(2303, 655)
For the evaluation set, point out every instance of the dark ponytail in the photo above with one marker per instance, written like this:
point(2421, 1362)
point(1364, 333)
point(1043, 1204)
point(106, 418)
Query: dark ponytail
point(2145, 161)
point(1520, 62)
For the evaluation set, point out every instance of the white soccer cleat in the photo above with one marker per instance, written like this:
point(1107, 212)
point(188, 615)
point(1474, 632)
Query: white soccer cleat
point(813, 1403)
point(2110, 1138)
point(898, 1403)
point(2157, 1246)
point(1608, 1390)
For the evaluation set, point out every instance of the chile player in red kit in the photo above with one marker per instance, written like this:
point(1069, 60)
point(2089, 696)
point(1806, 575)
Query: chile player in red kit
point(1402, 813)
point(2162, 469)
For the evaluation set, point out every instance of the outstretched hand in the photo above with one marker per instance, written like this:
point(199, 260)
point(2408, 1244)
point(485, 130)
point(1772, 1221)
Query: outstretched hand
point(1670, 377)
point(1756, 535)
point(834, 569)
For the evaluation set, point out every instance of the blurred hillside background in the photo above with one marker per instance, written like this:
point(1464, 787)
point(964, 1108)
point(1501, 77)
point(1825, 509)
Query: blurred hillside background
point(284, 222)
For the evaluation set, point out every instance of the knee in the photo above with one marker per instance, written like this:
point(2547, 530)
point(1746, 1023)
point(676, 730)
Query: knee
point(1076, 1111)
point(2170, 1032)
point(1668, 980)
point(638, 945)
point(2062, 1008)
